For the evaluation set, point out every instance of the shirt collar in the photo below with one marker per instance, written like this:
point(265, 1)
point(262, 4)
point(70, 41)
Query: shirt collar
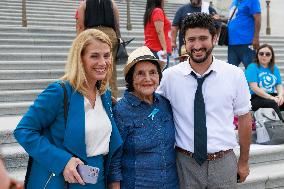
point(186, 69)
point(135, 101)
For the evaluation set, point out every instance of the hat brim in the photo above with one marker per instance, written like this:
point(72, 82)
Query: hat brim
point(128, 66)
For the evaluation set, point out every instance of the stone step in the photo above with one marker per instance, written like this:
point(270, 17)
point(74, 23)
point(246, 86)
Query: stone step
point(39, 65)
point(260, 154)
point(34, 74)
point(38, 36)
point(30, 74)
point(15, 108)
point(29, 65)
point(8, 124)
point(33, 56)
point(33, 49)
point(35, 42)
point(21, 84)
point(136, 20)
point(14, 155)
point(18, 95)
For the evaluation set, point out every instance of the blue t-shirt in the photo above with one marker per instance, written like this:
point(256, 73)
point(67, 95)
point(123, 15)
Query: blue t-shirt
point(241, 26)
point(185, 10)
point(263, 77)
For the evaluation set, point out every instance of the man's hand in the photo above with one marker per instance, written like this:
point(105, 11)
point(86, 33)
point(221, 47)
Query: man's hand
point(174, 45)
point(255, 43)
point(216, 17)
point(243, 171)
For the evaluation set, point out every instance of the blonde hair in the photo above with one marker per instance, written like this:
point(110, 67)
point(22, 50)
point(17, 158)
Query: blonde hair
point(74, 70)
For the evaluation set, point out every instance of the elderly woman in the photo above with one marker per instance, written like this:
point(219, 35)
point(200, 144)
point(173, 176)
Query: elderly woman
point(265, 82)
point(144, 118)
point(88, 135)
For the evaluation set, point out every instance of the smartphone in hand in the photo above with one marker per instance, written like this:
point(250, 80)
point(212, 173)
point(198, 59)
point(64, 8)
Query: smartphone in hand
point(88, 173)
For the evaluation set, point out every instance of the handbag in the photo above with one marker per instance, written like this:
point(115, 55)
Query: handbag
point(121, 54)
point(269, 128)
point(224, 35)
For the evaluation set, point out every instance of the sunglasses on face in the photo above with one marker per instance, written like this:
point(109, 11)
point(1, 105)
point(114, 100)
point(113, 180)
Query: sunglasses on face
point(264, 54)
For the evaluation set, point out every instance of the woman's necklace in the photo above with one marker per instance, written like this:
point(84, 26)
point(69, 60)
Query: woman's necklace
point(92, 96)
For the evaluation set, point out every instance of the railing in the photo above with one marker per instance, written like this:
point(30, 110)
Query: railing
point(128, 26)
point(268, 29)
point(24, 13)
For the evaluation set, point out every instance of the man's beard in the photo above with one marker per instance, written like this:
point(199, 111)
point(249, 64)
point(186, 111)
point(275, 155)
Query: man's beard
point(200, 60)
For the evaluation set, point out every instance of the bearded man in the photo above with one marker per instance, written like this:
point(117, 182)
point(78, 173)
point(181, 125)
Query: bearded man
point(205, 94)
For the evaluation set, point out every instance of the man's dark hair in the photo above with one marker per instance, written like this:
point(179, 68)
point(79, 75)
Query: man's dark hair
point(198, 20)
point(130, 73)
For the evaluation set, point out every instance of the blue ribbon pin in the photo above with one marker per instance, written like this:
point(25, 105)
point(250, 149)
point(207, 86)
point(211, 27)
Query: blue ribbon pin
point(153, 113)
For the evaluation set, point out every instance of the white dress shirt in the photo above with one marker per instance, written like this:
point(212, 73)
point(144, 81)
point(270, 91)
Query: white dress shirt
point(97, 128)
point(226, 93)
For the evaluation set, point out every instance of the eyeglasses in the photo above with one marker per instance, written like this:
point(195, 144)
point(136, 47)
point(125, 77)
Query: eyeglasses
point(264, 53)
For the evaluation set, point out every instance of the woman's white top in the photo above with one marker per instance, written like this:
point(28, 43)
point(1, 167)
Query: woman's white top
point(97, 128)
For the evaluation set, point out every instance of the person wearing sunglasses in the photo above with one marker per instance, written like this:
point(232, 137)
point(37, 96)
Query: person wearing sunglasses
point(265, 82)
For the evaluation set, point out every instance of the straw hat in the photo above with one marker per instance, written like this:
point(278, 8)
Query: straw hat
point(140, 54)
point(183, 52)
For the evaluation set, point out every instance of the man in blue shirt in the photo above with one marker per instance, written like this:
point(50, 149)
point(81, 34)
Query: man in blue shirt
point(244, 30)
point(182, 12)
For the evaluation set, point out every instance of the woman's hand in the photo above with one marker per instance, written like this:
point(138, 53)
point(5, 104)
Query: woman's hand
point(280, 100)
point(70, 172)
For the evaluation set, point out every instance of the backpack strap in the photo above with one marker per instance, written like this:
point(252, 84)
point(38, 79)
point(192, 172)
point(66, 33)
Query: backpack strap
point(66, 107)
point(65, 101)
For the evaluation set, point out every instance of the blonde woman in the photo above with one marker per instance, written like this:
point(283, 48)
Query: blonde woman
point(88, 135)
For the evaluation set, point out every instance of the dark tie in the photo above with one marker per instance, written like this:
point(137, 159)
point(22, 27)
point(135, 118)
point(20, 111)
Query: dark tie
point(200, 130)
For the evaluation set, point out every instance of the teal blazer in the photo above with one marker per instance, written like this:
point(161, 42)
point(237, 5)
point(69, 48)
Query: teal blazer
point(43, 135)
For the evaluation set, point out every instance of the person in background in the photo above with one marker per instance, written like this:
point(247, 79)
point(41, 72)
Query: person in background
point(205, 135)
point(243, 31)
point(104, 16)
point(264, 79)
point(157, 28)
point(88, 135)
point(6, 181)
point(182, 12)
point(146, 159)
point(76, 18)
point(183, 54)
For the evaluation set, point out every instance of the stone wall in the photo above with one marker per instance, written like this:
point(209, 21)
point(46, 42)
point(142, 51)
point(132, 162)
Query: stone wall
point(276, 13)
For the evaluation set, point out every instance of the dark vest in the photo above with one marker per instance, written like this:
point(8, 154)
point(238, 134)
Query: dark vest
point(99, 13)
